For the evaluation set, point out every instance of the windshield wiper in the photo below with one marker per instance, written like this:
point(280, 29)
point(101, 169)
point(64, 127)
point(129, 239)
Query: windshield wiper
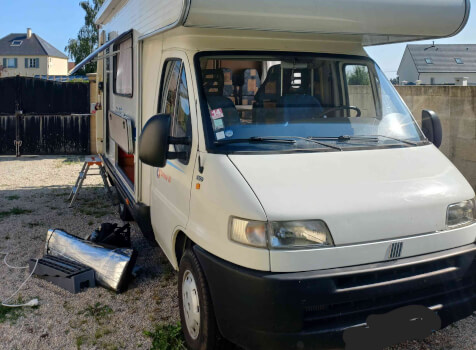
point(373, 138)
point(276, 139)
point(256, 139)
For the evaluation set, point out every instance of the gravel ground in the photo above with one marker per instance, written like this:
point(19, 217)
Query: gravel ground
point(33, 198)
point(40, 186)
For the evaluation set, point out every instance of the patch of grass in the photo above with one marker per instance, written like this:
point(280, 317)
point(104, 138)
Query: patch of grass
point(13, 197)
point(101, 332)
point(11, 314)
point(167, 337)
point(80, 340)
point(14, 211)
point(98, 311)
point(96, 212)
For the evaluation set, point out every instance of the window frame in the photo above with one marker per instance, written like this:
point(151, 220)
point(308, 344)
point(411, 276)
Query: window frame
point(32, 63)
point(114, 65)
point(162, 96)
point(16, 43)
point(459, 60)
point(15, 63)
point(428, 60)
point(372, 82)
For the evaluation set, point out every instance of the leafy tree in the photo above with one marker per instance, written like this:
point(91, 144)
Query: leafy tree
point(88, 36)
point(395, 81)
point(360, 76)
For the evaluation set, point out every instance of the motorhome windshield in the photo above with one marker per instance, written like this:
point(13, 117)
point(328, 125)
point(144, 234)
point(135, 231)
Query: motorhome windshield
point(301, 102)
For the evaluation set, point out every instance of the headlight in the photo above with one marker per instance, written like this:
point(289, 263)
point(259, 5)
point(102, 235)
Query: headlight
point(281, 235)
point(461, 214)
point(251, 233)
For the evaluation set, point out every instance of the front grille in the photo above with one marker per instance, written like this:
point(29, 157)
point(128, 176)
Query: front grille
point(358, 296)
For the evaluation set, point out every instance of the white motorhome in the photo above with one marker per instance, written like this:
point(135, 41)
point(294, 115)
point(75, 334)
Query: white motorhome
point(277, 167)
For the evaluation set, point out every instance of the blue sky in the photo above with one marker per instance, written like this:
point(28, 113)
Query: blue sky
point(58, 20)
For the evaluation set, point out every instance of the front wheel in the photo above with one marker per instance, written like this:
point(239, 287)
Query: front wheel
point(196, 310)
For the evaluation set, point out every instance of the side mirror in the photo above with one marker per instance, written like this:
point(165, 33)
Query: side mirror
point(154, 142)
point(431, 127)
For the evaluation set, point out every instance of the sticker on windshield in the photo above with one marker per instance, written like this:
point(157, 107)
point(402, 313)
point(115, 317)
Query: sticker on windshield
point(220, 135)
point(216, 113)
point(218, 124)
point(228, 133)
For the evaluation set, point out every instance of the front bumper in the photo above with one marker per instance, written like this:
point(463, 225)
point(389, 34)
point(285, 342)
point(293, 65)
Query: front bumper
point(264, 310)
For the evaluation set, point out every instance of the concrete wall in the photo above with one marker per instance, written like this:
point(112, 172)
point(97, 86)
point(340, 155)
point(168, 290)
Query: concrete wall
point(456, 107)
point(362, 96)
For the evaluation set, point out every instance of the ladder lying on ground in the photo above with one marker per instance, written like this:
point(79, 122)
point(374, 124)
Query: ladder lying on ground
point(89, 161)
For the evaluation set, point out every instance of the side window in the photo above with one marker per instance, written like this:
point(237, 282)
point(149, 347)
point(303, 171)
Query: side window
point(169, 96)
point(359, 89)
point(175, 102)
point(123, 68)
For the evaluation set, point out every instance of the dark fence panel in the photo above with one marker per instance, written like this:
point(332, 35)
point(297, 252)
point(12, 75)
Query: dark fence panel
point(46, 134)
point(38, 96)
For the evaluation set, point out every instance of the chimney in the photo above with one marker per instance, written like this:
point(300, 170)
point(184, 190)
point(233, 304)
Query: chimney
point(28, 33)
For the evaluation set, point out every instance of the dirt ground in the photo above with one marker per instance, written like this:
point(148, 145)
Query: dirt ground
point(33, 198)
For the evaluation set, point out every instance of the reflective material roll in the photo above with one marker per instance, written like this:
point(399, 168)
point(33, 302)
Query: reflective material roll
point(112, 266)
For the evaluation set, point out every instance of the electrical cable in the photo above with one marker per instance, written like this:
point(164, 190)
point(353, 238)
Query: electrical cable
point(10, 266)
point(33, 302)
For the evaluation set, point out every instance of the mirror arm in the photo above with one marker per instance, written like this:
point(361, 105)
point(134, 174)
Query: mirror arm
point(177, 155)
point(180, 140)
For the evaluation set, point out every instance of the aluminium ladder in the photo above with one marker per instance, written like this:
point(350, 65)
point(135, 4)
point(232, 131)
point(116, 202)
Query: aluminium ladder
point(89, 161)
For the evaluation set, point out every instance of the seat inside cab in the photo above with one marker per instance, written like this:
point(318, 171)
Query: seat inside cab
point(268, 92)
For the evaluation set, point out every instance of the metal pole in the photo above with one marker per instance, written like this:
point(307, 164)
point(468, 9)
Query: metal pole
point(17, 142)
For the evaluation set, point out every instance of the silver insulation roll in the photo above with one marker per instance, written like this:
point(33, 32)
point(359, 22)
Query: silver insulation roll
point(112, 266)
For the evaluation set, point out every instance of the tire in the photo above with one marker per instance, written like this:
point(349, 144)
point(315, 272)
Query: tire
point(193, 290)
point(124, 212)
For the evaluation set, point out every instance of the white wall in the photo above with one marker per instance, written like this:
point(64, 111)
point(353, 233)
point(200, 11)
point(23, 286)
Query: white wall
point(445, 78)
point(407, 70)
point(57, 66)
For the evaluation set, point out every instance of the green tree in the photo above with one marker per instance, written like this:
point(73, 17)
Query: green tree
point(88, 37)
point(360, 76)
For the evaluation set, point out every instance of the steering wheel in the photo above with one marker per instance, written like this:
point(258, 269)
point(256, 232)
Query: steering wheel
point(340, 108)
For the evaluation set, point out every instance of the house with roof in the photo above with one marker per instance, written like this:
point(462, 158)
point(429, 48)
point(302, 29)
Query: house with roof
point(439, 65)
point(27, 54)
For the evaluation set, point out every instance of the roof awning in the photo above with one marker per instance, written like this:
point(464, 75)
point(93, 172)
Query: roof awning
point(98, 51)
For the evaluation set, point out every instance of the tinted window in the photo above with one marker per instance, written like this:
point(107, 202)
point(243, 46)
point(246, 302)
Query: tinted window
point(176, 103)
point(172, 72)
point(123, 68)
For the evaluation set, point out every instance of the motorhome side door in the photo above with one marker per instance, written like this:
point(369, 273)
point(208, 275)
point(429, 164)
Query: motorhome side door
point(170, 191)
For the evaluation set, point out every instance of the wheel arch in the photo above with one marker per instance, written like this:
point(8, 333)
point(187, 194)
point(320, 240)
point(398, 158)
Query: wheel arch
point(181, 243)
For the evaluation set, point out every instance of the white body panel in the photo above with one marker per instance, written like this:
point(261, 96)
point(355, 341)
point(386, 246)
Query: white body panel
point(145, 16)
point(404, 18)
point(373, 21)
point(363, 196)
point(224, 192)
